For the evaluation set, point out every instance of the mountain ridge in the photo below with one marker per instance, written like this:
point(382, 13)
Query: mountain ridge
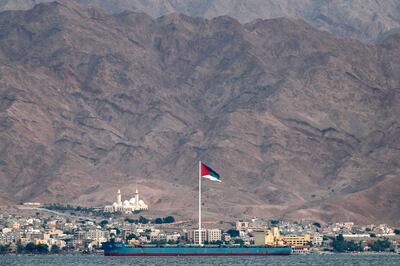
point(299, 123)
point(365, 20)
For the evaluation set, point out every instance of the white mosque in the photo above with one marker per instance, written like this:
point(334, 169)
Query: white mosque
point(127, 206)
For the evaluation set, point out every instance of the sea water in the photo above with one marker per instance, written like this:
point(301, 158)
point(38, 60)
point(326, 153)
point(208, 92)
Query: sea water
point(329, 259)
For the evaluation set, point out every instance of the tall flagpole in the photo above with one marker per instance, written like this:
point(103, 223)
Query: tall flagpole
point(200, 242)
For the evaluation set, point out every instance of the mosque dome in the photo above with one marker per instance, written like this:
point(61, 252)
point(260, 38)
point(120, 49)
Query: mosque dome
point(127, 206)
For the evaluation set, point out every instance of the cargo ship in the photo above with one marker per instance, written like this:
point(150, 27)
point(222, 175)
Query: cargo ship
point(122, 249)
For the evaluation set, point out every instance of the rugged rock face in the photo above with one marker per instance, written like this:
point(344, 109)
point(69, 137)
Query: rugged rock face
point(298, 122)
point(362, 19)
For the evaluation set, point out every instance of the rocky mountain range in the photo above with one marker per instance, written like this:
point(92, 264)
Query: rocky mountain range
point(366, 20)
point(298, 122)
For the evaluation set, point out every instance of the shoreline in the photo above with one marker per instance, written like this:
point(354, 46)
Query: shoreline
point(309, 254)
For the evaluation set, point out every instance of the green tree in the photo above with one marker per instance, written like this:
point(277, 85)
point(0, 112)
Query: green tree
point(42, 248)
point(239, 241)
point(340, 237)
point(55, 249)
point(143, 220)
point(168, 220)
point(106, 214)
point(317, 225)
point(20, 248)
point(30, 247)
point(130, 220)
point(131, 236)
point(341, 245)
point(218, 242)
point(274, 222)
point(233, 232)
point(103, 223)
point(380, 245)
point(3, 249)
point(158, 221)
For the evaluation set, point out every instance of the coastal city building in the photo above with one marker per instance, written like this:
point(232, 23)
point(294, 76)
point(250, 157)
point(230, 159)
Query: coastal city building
point(97, 236)
point(207, 235)
point(126, 206)
point(296, 240)
point(213, 235)
point(240, 225)
point(273, 237)
point(85, 232)
point(270, 237)
point(193, 236)
point(317, 239)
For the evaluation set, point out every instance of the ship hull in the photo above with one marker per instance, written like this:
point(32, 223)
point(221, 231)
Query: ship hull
point(120, 249)
point(193, 254)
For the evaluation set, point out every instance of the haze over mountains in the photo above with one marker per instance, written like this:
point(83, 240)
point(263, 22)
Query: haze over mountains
point(299, 123)
point(362, 19)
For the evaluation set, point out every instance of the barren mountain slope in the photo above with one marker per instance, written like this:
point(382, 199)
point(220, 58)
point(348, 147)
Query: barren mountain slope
point(362, 19)
point(297, 122)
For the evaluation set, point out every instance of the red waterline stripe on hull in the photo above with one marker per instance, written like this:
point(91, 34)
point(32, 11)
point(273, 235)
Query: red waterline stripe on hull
point(192, 255)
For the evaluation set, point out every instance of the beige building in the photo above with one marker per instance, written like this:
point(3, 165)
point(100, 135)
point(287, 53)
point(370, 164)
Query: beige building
point(193, 236)
point(242, 225)
point(55, 232)
point(270, 237)
point(259, 238)
point(41, 242)
point(213, 235)
point(297, 241)
point(16, 225)
point(209, 235)
point(97, 236)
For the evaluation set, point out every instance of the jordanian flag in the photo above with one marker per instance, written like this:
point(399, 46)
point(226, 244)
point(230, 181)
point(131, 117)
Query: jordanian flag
point(209, 173)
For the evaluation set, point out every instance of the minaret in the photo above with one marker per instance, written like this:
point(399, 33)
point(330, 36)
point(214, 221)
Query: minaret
point(119, 200)
point(137, 198)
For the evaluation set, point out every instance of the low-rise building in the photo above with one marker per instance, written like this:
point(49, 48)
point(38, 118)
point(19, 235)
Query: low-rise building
point(270, 237)
point(193, 236)
point(240, 225)
point(213, 235)
point(173, 237)
point(97, 236)
point(297, 241)
point(300, 249)
point(317, 240)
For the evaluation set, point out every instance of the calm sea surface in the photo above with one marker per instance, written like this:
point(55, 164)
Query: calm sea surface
point(121, 261)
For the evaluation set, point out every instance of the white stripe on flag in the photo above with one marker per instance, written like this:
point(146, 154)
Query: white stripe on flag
point(210, 177)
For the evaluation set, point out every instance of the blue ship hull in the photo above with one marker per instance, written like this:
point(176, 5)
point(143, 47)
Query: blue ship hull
point(121, 249)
